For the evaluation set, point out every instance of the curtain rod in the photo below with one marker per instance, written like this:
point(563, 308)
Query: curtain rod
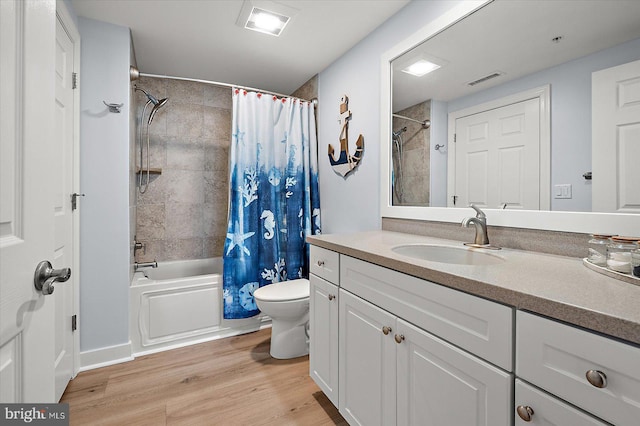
point(425, 124)
point(217, 83)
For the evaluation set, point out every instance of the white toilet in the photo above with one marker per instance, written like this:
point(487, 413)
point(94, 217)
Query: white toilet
point(287, 303)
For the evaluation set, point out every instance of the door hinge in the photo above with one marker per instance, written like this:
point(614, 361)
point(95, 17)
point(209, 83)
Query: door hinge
point(74, 323)
point(454, 197)
point(74, 80)
point(74, 200)
point(455, 136)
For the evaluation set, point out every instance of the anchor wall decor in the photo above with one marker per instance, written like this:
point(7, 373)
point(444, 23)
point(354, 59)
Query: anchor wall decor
point(346, 162)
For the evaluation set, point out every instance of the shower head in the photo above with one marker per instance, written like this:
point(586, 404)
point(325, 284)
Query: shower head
point(399, 132)
point(149, 96)
point(158, 104)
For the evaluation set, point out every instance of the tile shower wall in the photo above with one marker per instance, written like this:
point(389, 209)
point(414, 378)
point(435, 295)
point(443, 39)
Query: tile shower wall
point(183, 213)
point(414, 186)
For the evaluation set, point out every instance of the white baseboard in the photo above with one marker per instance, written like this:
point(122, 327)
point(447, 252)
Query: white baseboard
point(103, 357)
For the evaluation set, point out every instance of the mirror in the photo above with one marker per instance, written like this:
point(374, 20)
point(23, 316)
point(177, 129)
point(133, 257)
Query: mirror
point(502, 53)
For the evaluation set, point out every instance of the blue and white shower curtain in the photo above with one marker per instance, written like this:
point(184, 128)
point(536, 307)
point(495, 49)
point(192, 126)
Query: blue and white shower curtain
point(274, 200)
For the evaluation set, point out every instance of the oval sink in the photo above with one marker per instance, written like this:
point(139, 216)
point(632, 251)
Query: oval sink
point(447, 254)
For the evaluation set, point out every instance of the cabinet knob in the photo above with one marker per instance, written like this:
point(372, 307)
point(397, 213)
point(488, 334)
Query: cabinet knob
point(320, 263)
point(597, 378)
point(525, 412)
point(399, 338)
point(386, 330)
point(331, 296)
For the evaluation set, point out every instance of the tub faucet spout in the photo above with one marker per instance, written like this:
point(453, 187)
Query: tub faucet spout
point(139, 265)
point(480, 222)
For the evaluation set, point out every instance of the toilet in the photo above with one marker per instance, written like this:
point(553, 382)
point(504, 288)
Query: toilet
point(287, 303)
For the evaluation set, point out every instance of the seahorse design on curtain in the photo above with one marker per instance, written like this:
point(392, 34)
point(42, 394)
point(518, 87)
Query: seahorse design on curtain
point(274, 198)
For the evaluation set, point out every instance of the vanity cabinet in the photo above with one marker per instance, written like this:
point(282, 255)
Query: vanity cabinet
point(323, 320)
point(593, 372)
point(392, 372)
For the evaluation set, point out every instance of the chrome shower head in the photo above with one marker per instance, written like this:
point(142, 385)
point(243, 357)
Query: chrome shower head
point(149, 96)
point(157, 105)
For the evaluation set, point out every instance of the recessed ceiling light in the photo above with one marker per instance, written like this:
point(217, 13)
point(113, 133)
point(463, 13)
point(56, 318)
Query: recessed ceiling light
point(265, 21)
point(421, 67)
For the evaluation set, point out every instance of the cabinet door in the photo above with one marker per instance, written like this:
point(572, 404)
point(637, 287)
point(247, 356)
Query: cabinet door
point(540, 408)
point(367, 363)
point(439, 384)
point(323, 340)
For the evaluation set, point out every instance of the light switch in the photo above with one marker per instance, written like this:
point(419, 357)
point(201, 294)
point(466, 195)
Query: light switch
point(562, 191)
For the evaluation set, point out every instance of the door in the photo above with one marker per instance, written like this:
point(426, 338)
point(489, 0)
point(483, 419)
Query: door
point(615, 141)
point(497, 157)
point(439, 384)
point(62, 178)
point(367, 363)
point(323, 342)
point(27, 31)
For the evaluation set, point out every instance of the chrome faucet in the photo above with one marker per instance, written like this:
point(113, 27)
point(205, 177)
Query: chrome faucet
point(480, 222)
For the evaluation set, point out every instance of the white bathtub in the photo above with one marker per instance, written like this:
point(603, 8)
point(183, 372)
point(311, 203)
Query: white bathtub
point(180, 303)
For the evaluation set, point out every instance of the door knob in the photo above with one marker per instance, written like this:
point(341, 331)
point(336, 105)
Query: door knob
point(399, 338)
point(45, 276)
point(525, 412)
point(386, 330)
point(597, 378)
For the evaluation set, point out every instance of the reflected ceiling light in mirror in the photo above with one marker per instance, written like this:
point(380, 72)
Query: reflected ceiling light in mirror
point(421, 67)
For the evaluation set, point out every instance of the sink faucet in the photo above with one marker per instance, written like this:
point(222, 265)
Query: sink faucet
point(480, 222)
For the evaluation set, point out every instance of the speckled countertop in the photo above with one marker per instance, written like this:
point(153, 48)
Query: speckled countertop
point(555, 286)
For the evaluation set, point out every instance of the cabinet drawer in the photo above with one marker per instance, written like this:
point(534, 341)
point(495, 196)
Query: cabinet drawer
point(548, 410)
point(557, 357)
point(477, 325)
point(324, 263)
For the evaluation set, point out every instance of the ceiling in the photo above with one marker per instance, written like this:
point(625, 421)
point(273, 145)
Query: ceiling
point(200, 39)
point(515, 38)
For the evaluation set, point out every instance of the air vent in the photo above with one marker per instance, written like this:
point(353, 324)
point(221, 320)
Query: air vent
point(485, 78)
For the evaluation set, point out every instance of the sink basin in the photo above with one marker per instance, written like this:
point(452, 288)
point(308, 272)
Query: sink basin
point(447, 254)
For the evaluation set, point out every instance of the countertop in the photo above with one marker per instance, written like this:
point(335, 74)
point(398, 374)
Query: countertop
point(555, 286)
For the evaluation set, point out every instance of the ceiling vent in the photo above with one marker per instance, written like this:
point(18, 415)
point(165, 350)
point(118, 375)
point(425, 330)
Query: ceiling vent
point(485, 78)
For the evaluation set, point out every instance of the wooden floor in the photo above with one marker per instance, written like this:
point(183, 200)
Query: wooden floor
point(231, 381)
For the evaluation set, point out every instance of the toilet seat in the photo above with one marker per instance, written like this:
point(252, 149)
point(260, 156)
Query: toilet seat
point(283, 291)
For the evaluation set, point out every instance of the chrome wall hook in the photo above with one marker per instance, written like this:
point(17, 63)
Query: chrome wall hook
point(438, 146)
point(115, 108)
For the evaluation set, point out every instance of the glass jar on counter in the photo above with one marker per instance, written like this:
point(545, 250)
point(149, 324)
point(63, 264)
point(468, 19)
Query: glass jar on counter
point(635, 261)
point(619, 253)
point(598, 249)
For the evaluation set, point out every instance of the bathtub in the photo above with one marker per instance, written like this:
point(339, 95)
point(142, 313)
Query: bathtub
point(180, 303)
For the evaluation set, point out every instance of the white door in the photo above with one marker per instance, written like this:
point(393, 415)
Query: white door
point(615, 145)
point(62, 178)
point(27, 32)
point(323, 340)
point(497, 157)
point(439, 384)
point(367, 363)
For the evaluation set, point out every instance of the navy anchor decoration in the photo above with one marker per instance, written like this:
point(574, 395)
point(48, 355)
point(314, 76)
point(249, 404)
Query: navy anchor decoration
point(346, 162)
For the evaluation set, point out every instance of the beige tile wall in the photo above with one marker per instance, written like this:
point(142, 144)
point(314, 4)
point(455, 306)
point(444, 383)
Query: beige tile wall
point(183, 214)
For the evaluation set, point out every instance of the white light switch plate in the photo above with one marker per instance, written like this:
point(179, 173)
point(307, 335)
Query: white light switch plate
point(562, 191)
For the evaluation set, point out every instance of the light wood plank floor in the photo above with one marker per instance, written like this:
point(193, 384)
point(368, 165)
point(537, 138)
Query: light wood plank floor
point(230, 381)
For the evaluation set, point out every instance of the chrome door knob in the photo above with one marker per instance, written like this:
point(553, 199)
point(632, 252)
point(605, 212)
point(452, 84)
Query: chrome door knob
point(320, 263)
point(45, 276)
point(525, 412)
point(597, 378)
point(331, 296)
point(399, 338)
point(386, 330)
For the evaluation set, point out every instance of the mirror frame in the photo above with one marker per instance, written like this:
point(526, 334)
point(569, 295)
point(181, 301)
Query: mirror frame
point(580, 222)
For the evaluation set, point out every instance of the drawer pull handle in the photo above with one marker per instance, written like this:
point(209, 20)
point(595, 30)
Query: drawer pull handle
point(386, 330)
point(399, 338)
point(320, 263)
point(525, 412)
point(331, 296)
point(597, 378)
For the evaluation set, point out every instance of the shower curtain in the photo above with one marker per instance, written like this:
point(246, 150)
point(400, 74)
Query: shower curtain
point(274, 200)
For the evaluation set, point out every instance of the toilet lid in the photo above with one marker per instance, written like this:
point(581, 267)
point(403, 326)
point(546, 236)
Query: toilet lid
point(286, 290)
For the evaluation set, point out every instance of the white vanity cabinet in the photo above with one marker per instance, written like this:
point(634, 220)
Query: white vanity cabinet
point(323, 321)
point(392, 372)
point(595, 373)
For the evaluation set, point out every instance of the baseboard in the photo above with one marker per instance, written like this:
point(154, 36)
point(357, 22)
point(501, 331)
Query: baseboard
point(103, 357)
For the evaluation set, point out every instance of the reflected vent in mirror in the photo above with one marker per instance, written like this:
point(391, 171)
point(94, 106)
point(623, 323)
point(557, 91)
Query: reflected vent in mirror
point(485, 78)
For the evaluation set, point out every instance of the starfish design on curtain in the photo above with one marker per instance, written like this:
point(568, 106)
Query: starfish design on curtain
point(237, 239)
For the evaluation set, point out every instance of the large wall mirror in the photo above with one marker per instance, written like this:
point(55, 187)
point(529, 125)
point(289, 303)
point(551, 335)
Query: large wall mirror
point(494, 106)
